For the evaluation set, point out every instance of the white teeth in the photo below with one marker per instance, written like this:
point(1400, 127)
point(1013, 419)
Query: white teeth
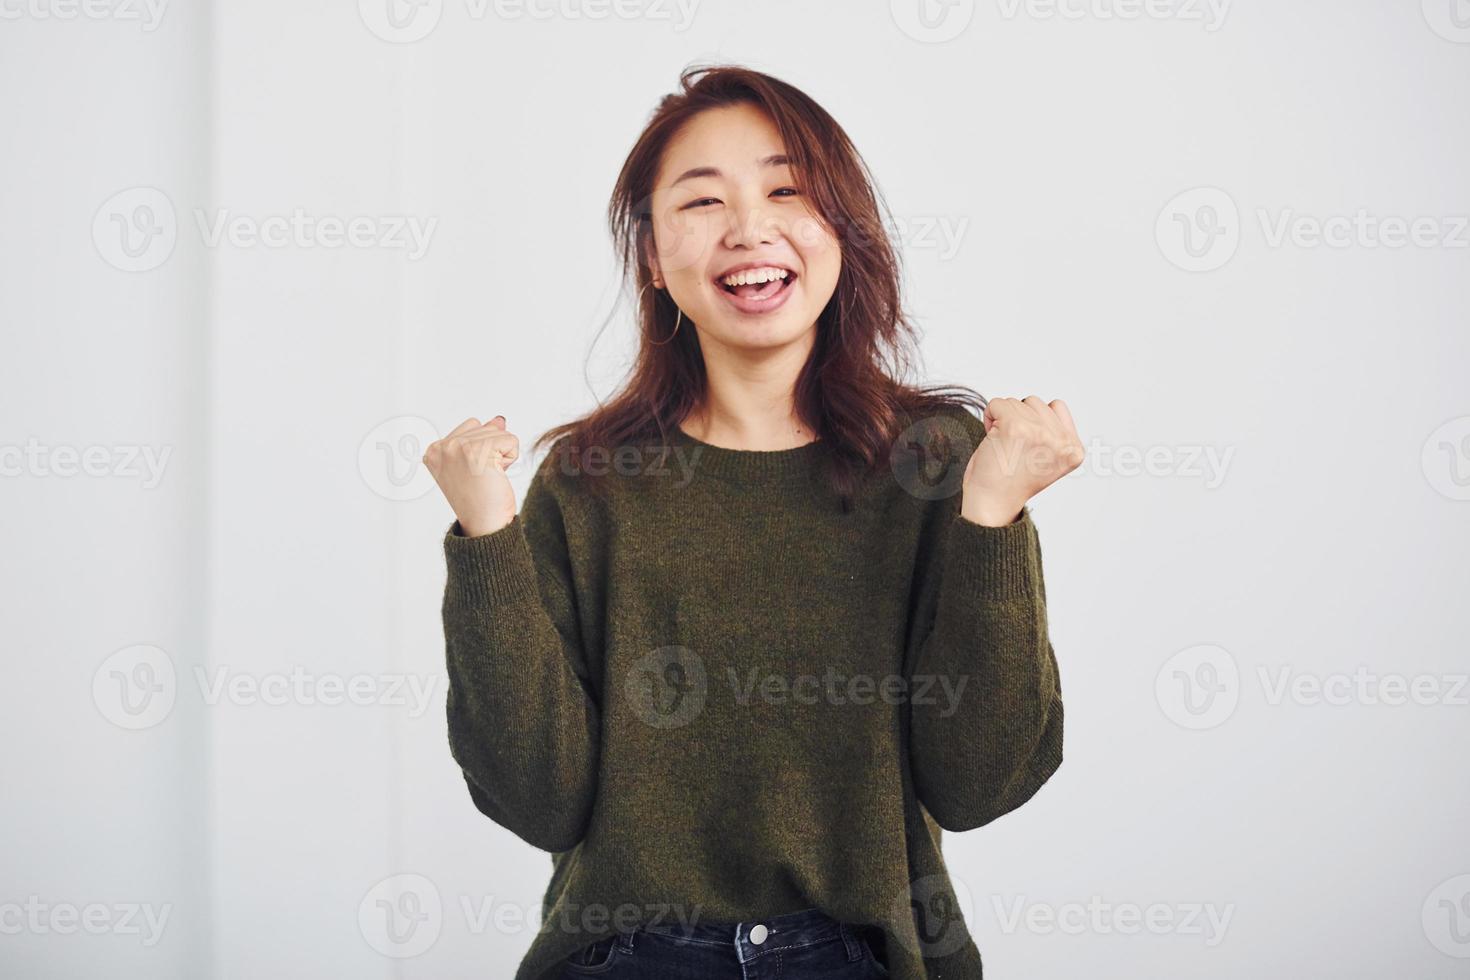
point(748, 277)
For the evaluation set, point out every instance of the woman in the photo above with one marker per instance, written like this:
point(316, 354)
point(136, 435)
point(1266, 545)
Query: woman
point(769, 619)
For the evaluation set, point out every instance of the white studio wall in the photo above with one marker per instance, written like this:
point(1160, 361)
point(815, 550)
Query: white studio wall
point(104, 395)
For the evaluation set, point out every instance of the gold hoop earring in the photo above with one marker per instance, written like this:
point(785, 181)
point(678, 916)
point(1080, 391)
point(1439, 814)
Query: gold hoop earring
point(677, 320)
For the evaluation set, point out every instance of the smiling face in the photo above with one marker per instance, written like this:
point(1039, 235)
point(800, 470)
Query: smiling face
point(735, 242)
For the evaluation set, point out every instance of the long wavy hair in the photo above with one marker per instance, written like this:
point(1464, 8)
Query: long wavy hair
point(851, 390)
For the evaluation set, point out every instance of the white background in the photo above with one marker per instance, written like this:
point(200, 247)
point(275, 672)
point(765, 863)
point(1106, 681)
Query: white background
point(1049, 144)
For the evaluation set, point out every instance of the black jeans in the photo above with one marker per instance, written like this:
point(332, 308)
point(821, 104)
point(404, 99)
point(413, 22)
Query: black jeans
point(806, 945)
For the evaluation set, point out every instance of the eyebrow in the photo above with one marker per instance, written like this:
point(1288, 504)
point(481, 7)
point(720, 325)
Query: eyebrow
point(774, 160)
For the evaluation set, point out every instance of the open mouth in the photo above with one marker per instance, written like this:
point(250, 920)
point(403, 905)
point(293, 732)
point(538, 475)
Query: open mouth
point(757, 288)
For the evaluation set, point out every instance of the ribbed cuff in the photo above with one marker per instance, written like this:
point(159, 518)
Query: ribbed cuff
point(995, 562)
point(489, 569)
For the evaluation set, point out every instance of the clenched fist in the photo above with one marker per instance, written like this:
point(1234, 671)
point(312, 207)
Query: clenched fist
point(469, 466)
point(1029, 444)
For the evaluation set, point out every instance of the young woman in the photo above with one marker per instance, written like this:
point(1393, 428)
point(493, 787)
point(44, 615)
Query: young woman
point(771, 618)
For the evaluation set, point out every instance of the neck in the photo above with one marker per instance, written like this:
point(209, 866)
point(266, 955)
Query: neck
point(749, 397)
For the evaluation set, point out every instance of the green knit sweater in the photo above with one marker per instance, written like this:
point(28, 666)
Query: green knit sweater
point(714, 695)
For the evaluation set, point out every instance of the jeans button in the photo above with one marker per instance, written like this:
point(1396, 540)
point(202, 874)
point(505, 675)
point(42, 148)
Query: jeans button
point(758, 934)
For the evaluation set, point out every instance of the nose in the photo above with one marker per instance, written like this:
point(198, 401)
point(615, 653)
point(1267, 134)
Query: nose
point(751, 225)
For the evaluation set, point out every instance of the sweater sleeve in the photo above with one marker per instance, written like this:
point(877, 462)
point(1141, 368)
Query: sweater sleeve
point(523, 722)
point(990, 733)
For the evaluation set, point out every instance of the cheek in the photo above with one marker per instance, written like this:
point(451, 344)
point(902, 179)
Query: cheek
point(682, 240)
point(821, 253)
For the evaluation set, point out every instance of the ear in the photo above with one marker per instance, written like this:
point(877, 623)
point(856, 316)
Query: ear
point(655, 273)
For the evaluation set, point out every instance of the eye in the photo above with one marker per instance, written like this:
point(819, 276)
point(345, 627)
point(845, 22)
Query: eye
point(786, 191)
point(700, 203)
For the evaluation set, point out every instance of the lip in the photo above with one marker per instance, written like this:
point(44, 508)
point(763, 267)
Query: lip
point(757, 306)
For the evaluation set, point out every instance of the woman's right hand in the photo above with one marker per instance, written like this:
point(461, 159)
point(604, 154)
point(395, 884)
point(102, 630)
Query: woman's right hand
point(469, 466)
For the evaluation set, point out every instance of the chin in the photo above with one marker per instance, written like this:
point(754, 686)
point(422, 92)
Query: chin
point(762, 334)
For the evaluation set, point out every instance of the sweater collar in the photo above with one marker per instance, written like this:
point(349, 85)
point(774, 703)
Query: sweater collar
point(755, 465)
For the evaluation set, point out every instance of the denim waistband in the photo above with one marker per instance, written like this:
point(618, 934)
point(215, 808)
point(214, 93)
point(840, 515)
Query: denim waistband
point(748, 940)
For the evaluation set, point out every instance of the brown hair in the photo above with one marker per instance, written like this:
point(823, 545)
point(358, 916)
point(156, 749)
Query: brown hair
point(850, 391)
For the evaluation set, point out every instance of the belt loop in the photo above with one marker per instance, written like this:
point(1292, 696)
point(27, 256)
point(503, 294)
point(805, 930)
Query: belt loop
point(851, 941)
point(625, 940)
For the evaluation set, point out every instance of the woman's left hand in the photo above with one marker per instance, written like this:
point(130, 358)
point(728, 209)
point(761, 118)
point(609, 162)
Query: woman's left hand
point(1029, 444)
